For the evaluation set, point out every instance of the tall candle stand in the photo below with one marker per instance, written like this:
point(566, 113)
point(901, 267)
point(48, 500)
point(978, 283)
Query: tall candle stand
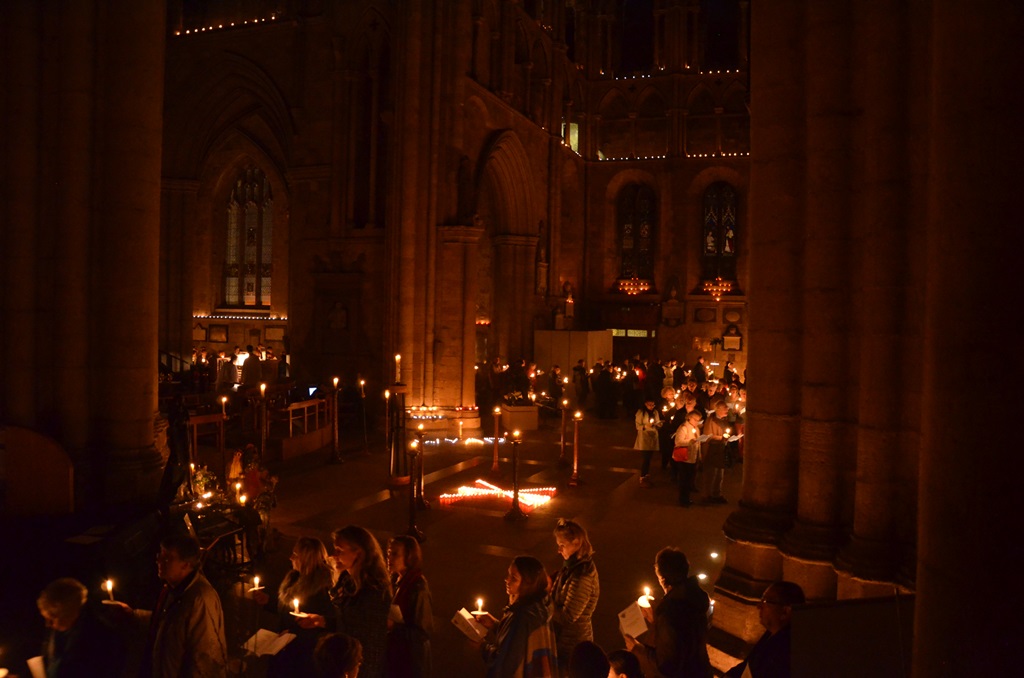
point(416, 474)
point(575, 479)
point(516, 512)
point(495, 469)
point(413, 531)
point(565, 415)
point(335, 443)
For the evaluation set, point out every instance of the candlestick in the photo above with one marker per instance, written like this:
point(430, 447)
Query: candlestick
point(224, 406)
point(398, 368)
point(256, 584)
point(460, 429)
point(238, 491)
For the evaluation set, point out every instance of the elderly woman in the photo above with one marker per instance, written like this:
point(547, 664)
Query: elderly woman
point(412, 621)
point(309, 581)
point(361, 596)
point(80, 641)
point(575, 589)
point(522, 642)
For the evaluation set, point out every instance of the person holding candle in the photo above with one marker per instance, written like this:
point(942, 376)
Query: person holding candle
point(648, 421)
point(716, 427)
point(409, 630)
point(361, 597)
point(677, 645)
point(575, 589)
point(686, 454)
point(81, 642)
point(186, 628)
point(522, 643)
point(309, 581)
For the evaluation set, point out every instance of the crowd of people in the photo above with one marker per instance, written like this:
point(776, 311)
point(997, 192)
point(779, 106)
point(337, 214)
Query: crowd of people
point(367, 612)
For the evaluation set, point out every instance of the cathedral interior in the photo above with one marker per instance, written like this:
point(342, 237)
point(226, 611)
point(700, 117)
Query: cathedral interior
point(819, 192)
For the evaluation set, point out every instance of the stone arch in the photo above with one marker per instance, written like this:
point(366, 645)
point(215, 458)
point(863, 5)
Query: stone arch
point(235, 93)
point(607, 235)
point(507, 246)
point(615, 128)
point(651, 133)
point(505, 163)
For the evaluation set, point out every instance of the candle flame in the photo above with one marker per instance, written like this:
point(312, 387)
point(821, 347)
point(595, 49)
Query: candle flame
point(295, 604)
point(256, 581)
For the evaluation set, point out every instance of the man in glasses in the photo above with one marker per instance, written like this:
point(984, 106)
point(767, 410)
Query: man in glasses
point(770, 656)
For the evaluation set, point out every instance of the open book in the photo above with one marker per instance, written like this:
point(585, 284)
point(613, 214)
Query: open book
point(473, 629)
point(632, 622)
point(265, 642)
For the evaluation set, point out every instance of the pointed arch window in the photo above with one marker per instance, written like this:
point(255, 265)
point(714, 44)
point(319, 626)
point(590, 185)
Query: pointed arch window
point(636, 218)
point(248, 255)
point(719, 242)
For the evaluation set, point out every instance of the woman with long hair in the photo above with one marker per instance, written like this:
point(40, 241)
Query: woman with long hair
point(361, 597)
point(309, 581)
point(522, 642)
point(411, 621)
point(575, 589)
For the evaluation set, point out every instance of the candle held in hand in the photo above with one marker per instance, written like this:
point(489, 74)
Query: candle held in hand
point(479, 604)
point(109, 586)
point(295, 604)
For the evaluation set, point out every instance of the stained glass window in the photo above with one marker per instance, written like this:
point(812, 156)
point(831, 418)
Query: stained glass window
point(719, 244)
point(637, 217)
point(248, 251)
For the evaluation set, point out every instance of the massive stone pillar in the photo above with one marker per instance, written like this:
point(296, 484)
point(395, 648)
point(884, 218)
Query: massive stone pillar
point(769, 499)
point(968, 617)
point(888, 216)
point(81, 236)
point(457, 276)
point(825, 450)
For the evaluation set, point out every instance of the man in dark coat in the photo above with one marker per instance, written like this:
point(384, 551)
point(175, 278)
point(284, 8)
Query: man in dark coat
point(770, 656)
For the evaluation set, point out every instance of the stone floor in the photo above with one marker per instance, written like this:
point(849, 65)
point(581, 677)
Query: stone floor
point(467, 545)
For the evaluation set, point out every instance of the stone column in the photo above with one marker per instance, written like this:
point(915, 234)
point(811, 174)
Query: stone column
point(826, 452)
point(770, 463)
point(888, 217)
point(514, 260)
point(124, 291)
point(967, 617)
point(454, 376)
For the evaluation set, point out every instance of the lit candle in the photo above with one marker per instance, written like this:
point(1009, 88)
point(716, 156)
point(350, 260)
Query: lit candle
point(362, 383)
point(714, 555)
point(238, 490)
point(256, 584)
point(460, 429)
point(109, 586)
point(224, 406)
point(515, 435)
point(335, 383)
point(263, 390)
point(387, 394)
point(479, 604)
point(646, 598)
point(295, 604)
point(242, 499)
point(398, 368)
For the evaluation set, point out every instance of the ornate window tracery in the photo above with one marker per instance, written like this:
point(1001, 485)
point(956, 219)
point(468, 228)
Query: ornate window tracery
point(248, 256)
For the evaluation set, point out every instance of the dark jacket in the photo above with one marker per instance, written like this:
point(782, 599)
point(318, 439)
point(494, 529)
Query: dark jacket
point(91, 647)
point(769, 658)
point(363, 614)
point(524, 645)
point(678, 648)
point(574, 594)
point(409, 640)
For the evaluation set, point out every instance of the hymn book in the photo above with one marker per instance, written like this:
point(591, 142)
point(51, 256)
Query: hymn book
point(473, 629)
point(265, 642)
